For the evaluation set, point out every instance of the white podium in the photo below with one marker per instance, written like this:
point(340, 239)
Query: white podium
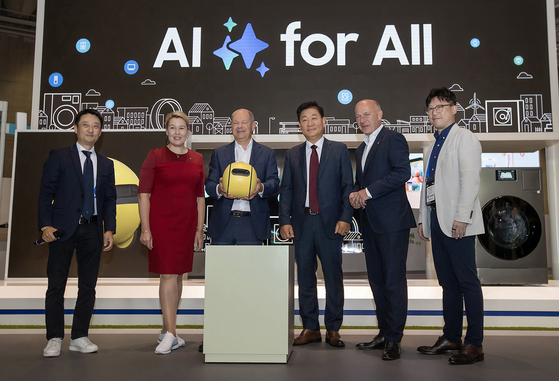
point(248, 304)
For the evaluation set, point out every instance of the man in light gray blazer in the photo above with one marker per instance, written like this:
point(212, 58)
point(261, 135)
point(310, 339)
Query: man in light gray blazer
point(450, 214)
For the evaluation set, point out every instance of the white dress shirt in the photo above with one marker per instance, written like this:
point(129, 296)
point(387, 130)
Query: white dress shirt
point(369, 141)
point(94, 161)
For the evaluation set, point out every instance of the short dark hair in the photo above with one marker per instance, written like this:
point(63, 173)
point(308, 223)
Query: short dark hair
point(443, 94)
point(88, 111)
point(307, 105)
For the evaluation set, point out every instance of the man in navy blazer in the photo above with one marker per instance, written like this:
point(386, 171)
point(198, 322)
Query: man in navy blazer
point(319, 229)
point(62, 207)
point(382, 169)
point(243, 221)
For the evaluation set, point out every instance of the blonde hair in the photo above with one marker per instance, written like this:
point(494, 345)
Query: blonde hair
point(177, 114)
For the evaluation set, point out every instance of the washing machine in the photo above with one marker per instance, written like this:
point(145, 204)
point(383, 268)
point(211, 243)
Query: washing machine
point(512, 250)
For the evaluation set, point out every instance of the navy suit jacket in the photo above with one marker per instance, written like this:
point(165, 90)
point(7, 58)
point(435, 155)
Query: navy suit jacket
point(61, 194)
point(263, 159)
point(335, 181)
point(386, 171)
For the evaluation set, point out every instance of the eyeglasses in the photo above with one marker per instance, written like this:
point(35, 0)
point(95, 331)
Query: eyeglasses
point(438, 109)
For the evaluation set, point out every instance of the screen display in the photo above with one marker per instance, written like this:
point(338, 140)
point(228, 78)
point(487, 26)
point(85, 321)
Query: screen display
point(137, 62)
point(506, 175)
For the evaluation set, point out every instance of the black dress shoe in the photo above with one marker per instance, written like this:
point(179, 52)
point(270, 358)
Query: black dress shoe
point(391, 351)
point(441, 346)
point(377, 343)
point(201, 347)
point(468, 355)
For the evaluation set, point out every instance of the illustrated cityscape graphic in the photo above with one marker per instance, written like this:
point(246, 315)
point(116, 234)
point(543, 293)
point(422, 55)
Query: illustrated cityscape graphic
point(524, 114)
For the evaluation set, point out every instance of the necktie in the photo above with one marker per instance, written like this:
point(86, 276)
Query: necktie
point(87, 210)
point(313, 179)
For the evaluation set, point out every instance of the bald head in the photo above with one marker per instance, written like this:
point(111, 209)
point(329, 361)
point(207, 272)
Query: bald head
point(368, 115)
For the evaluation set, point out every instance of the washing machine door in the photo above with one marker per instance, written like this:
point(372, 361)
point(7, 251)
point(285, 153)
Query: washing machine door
point(512, 228)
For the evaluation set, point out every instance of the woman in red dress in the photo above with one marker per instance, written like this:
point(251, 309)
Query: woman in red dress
point(171, 202)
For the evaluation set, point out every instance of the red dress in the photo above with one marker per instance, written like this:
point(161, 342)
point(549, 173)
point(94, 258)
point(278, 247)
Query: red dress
point(174, 182)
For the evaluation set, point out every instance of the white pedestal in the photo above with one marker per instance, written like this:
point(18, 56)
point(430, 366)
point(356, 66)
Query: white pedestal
point(248, 307)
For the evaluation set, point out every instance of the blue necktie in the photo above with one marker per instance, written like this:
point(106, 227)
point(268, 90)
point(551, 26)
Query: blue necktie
point(87, 210)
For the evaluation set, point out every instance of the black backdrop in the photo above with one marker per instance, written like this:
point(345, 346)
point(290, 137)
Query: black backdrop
point(120, 31)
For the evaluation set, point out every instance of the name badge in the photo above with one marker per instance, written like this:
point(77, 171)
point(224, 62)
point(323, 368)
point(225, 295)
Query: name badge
point(430, 192)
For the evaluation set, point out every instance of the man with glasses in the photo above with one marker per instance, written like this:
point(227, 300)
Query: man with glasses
point(450, 214)
point(382, 169)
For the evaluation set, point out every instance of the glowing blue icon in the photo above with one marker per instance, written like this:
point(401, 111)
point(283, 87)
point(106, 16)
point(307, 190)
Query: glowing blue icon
point(131, 67)
point(110, 104)
point(83, 45)
point(475, 42)
point(518, 60)
point(262, 69)
point(248, 45)
point(230, 24)
point(56, 79)
point(345, 97)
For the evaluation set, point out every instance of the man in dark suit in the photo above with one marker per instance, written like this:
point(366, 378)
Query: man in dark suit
point(77, 196)
point(382, 163)
point(244, 221)
point(315, 212)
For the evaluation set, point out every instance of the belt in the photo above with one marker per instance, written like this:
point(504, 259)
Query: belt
point(92, 220)
point(310, 211)
point(238, 213)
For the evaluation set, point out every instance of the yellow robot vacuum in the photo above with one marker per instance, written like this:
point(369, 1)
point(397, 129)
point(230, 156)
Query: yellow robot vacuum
point(127, 215)
point(239, 179)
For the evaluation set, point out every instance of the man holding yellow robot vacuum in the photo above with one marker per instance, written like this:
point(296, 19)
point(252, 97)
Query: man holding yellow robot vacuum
point(242, 175)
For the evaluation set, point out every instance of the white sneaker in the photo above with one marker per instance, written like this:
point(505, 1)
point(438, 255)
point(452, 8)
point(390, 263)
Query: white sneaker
point(168, 344)
point(53, 347)
point(162, 335)
point(83, 345)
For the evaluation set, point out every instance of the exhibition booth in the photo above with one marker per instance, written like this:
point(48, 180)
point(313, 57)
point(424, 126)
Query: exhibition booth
point(211, 62)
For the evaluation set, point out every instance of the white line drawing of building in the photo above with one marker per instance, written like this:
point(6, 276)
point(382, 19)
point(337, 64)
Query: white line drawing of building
point(525, 114)
point(289, 128)
point(205, 116)
point(137, 117)
point(43, 120)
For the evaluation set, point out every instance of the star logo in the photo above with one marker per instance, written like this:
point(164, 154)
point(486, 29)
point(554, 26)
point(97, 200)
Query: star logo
point(230, 24)
point(225, 54)
point(248, 46)
point(262, 69)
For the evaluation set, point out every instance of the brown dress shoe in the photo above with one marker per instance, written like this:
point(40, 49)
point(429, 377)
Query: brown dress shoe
point(377, 343)
point(441, 346)
point(307, 336)
point(334, 339)
point(468, 355)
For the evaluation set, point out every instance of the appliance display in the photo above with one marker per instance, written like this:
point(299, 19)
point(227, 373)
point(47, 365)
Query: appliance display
point(512, 250)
